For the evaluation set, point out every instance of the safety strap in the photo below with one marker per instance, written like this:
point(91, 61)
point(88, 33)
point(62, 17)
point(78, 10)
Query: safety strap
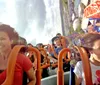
point(11, 64)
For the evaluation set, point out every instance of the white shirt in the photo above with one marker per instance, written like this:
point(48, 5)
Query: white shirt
point(80, 74)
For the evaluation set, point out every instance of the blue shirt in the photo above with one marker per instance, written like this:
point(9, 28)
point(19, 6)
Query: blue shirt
point(57, 50)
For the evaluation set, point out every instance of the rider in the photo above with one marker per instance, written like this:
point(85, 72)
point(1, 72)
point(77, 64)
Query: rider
point(23, 64)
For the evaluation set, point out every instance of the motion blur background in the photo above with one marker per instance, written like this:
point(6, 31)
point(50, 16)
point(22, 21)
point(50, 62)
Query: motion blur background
point(35, 20)
point(39, 20)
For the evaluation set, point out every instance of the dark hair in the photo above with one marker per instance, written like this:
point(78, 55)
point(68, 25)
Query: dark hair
point(54, 38)
point(39, 44)
point(13, 35)
point(89, 39)
point(58, 34)
point(89, 23)
point(22, 41)
point(98, 21)
point(30, 44)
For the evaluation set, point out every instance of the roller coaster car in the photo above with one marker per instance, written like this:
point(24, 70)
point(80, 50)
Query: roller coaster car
point(60, 73)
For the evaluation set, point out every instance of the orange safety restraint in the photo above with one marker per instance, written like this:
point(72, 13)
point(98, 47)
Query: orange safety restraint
point(38, 71)
point(60, 73)
point(48, 63)
point(45, 65)
point(12, 61)
point(86, 65)
point(42, 50)
point(11, 65)
point(44, 53)
point(51, 48)
point(32, 58)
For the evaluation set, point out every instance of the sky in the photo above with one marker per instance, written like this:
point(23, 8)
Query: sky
point(35, 20)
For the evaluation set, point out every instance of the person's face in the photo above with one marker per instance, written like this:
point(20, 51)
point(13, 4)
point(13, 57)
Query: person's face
point(39, 46)
point(57, 42)
point(90, 29)
point(5, 42)
point(96, 49)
